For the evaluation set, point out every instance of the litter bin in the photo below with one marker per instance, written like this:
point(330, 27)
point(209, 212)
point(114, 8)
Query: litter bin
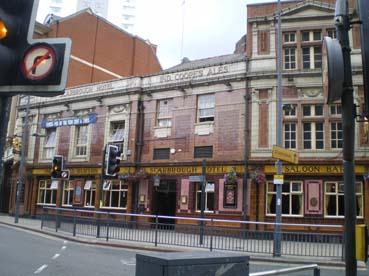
point(191, 263)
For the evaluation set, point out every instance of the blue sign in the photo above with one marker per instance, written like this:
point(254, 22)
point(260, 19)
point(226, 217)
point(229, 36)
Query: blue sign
point(90, 118)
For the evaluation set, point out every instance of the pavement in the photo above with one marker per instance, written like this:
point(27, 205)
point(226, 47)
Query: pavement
point(34, 225)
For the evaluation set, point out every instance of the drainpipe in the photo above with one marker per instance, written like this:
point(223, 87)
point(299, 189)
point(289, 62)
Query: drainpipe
point(139, 145)
point(246, 141)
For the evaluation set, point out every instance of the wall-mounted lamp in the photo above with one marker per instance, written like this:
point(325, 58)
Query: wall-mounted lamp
point(99, 100)
point(142, 198)
point(67, 106)
point(181, 89)
point(172, 151)
point(229, 87)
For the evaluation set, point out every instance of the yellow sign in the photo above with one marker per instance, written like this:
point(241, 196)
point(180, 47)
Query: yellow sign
point(285, 154)
point(278, 179)
point(311, 169)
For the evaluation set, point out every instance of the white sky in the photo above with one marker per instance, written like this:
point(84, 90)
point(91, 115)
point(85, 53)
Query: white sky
point(210, 27)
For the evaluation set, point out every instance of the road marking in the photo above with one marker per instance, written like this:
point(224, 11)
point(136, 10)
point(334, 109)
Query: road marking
point(55, 256)
point(128, 262)
point(63, 248)
point(65, 242)
point(40, 268)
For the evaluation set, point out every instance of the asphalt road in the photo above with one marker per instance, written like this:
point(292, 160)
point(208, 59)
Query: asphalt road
point(24, 253)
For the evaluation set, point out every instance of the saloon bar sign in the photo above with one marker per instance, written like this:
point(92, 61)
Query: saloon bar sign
point(90, 118)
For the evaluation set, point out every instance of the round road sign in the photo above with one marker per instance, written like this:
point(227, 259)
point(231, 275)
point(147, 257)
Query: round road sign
point(39, 61)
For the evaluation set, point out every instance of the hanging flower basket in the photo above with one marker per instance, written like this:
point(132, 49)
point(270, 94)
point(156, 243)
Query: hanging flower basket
point(258, 176)
point(230, 177)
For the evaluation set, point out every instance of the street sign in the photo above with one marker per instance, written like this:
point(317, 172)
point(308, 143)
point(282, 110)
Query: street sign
point(38, 62)
point(195, 178)
point(65, 174)
point(287, 155)
point(278, 179)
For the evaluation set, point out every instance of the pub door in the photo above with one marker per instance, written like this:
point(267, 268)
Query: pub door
point(165, 200)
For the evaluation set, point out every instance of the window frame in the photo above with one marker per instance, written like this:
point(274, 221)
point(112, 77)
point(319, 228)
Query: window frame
point(109, 195)
point(89, 194)
point(164, 113)
point(45, 188)
point(204, 106)
point(68, 192)
point(291, 193)
point(339, 194)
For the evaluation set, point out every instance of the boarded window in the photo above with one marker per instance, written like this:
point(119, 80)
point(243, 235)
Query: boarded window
point(203, 152)
point(160, 154)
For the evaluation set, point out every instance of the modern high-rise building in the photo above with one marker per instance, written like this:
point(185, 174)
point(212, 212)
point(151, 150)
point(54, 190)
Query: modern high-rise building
point(119, 12)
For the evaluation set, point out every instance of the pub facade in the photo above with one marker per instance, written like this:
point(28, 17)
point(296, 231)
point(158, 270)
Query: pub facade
point(211, 120)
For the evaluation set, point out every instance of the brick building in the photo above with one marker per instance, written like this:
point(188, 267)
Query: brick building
point(221, 110)
point(313, 188)
point(100, 52)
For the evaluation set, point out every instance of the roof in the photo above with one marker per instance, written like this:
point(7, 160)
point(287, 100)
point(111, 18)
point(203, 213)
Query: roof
point(211, 61)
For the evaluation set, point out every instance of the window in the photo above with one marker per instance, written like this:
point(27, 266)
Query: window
point(161, 154)
point(209, 197)
point(332, 34)
point(116, 134)
point(206, 106)
point(289, 37)
point(292, 199)
point(68, 193)
point(313, 132)
point(335, 110)
point(311, 36)
point(289, 110)
point(313, 135)
point(312, 110)
point(336, 135)
point(312, 57)
point(290, 135)
point(49, 143)
point(164, 113)
point(115, 195)
point(289, 58)
point(334, 199)
point(90, 193)
point(81, 140)
point(203, 152)
point(47, 192)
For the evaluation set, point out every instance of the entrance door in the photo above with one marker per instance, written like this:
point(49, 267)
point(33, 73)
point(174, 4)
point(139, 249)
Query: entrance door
point(165, 200)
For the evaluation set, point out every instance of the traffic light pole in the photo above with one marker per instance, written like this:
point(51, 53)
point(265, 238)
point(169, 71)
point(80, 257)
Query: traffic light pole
point(348, 125)
point(21, 163)
point(101, 189)
point(5, 102)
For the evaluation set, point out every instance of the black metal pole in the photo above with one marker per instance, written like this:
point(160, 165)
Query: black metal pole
point(348, 124)
point(202, 203)
point(22, 161)
point(5, 102)
point(101, 190)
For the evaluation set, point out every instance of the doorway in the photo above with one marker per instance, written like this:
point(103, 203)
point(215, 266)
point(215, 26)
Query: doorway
point(165, 200)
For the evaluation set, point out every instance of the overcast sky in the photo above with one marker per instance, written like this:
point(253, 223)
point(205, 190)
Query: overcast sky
point(191, 28)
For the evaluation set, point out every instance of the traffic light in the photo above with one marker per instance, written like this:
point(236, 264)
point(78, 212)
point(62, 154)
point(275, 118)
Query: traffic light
point(57, 166)
point(113, 160)
point(28, 66)
point(363, 10)
point(332, 71)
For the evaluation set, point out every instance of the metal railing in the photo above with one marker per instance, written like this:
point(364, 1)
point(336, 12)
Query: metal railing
point(314, 267)
point(232, 235)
